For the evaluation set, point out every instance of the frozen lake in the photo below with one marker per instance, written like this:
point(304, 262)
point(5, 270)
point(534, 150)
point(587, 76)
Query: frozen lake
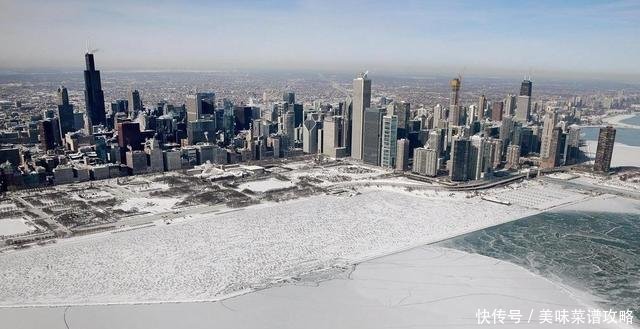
point(213, 256)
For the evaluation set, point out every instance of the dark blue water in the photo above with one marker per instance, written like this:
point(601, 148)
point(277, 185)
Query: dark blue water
point(628, 136)
point(633, 120)
point(594, 252)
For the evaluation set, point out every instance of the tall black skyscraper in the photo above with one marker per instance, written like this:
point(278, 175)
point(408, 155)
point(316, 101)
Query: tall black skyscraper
point(65, 112)
point(93, 95)
point(526, 87)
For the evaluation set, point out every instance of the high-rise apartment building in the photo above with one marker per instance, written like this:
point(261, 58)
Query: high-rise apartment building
point(389, 141)
point(425, 161)
point(606, 140)
point(402, 158)
point(458, 166)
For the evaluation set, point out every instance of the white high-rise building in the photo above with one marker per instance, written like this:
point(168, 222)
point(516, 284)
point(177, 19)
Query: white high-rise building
point(425, 161)
point(523, 109)
point(550, 122)
point(389, 141)
point(402, 158)
point(310, 136)
point(332, 139)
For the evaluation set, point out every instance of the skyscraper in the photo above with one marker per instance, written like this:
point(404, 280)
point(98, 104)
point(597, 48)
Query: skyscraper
point(482, 106)
point(331, 136)
point(135, 102)
point(361, 101)
point(403, 111)
point(201, 105)
point(496, 111)
point(93, 95)
point(47, 132)
point(129, 135)
point(65, 112)
point(402, 158)
point(459, 159)
point(476, 165)
point(389, 141)
point(425, 161)
point(553, 152)
point(526, 87)
point(513, 157)
point(606, 140)
point(550, 122)
point(289, 97)
point(347, 114)
point(371, 136)
point(310, 136)
point(454, 102)
point(523, 107)
point(509, 105)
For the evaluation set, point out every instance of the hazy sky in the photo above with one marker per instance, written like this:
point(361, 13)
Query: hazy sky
point(414, 35)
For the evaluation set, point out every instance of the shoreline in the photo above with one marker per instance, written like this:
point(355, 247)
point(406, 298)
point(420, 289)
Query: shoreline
point(618, 118)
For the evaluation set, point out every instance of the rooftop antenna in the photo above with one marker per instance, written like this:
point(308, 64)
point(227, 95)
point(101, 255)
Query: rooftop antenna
point(89, 49)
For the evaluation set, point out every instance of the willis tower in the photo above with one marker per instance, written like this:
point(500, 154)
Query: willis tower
point(93, 95)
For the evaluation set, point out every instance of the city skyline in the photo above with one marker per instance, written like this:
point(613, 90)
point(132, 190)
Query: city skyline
point(498, 37)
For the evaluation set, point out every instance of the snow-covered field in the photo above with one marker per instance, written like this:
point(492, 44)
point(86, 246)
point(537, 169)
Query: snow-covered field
point(148, 204)
point(265, 185)
point(11, 226)
point(212, 256)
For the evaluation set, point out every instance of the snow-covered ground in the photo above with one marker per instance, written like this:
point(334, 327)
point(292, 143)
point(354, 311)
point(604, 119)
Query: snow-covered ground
point(536, 195)
point(11, 226)
point(610, 181)
point(265, 185)
point(335, 174)
point(212, 255)
point(623, 155)
point(148, 204)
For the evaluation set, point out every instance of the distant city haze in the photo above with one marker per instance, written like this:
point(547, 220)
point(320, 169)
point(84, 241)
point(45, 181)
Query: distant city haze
point(597, 39)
